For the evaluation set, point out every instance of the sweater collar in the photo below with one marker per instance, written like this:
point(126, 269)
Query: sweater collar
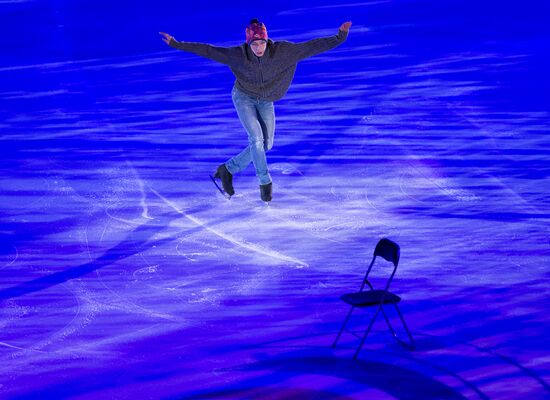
point(252, 56)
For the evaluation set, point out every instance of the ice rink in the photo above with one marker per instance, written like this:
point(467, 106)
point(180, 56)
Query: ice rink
point(126, 275)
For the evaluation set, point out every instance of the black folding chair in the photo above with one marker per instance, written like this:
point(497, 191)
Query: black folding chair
point(377, 298)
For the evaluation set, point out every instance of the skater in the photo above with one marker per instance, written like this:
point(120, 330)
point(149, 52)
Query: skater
point(263, 70)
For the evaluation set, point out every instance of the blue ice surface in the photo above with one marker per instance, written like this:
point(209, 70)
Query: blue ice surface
point(125, 274)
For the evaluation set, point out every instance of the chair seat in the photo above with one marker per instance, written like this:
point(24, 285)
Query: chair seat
point(369, 298)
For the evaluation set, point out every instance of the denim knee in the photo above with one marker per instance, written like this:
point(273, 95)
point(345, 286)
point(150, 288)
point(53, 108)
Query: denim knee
point(257, 144)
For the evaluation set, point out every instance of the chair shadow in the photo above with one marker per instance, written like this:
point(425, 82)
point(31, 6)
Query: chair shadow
point(395, 381)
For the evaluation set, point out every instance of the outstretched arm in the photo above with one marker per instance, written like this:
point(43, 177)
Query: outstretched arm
point(222, 55)
point(299, 51)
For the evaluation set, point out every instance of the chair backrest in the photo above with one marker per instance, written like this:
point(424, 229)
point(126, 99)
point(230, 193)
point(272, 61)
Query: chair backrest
point(388, 250)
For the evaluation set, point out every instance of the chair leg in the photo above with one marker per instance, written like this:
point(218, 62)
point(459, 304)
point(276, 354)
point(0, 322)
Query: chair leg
point(367, 332)
point(412, 344)
point(388, 322)
point(343, 326)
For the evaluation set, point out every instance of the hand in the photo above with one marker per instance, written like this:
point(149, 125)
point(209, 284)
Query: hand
point(166, 39)
point(345, 26)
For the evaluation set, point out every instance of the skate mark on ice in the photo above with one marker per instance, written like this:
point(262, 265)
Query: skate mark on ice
point(358, 196)
point(288, 221)
point(50, 338)
point(21, 348)
point(143, 197)
point(67, 330)
point(192, 256)
point(490, 132)
point(150, 269)
point(378, 211)
point(459, 194)
point(15, 257)
point(126, 221)
point(401, 182)
point(285, 169)
point(240, 243)
point(123, 300)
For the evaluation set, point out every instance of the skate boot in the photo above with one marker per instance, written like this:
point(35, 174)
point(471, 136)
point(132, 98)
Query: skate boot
point(226, 178)
point(266, 192)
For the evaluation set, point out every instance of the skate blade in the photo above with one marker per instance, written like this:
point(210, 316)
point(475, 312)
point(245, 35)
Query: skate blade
point(224, 194)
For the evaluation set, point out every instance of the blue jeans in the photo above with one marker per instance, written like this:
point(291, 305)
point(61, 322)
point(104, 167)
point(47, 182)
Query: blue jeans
point(258, 119)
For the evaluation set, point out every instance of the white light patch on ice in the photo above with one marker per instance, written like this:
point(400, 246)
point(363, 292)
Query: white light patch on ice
point(241, 243)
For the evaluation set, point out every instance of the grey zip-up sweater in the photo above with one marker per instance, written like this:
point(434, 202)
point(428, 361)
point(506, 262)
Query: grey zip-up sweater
point(267, 77)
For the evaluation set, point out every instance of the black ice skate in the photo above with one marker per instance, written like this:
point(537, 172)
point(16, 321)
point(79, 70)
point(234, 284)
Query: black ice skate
point(227, 180)
point(266, 192)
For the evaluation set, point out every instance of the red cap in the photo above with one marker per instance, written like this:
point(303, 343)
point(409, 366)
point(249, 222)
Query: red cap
point(256, 31)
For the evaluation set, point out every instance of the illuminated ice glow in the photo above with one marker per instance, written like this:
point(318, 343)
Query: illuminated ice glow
point(125, 274)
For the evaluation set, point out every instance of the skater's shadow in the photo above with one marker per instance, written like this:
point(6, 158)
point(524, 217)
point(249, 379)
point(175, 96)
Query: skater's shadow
point(137, 241)
point(16, 232)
